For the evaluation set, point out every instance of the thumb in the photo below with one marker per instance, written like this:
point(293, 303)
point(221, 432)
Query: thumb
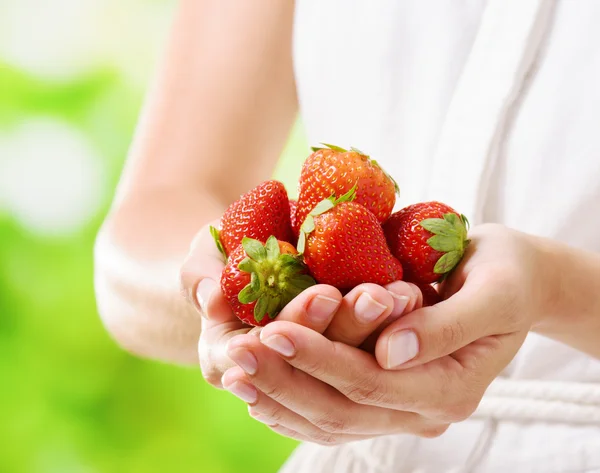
point(200, 275)
point(436, 331)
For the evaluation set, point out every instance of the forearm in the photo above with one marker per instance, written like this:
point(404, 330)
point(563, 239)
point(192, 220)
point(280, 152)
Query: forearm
point(573, 314)
point(213, 126)
point(222, 102)
point(138, 256)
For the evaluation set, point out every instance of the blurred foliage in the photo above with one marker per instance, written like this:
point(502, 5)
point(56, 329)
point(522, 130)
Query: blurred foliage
point(70, 399)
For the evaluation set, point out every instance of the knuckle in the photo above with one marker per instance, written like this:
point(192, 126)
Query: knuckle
point(366, 392)
point(317, 365)
point(273, 413)
point(313, 367)
point(273, 391)
point(325, 438)
point(210, 374)
point(332, 424)
point(452, 334)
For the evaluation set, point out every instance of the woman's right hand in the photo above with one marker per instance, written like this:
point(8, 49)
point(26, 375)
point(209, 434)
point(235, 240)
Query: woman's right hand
point(354, 319)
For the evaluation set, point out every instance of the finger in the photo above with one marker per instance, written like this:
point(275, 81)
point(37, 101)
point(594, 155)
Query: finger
point(285, 421)
point(399, 290)
point(313, 308)
point(427, 390)
point(200, 275)
point(280, 429)
point(270, 412)
point(349, 370)
point(442, 329)
point(289, 433)
point(313, 400)
point(361, 311)
point(212, 348)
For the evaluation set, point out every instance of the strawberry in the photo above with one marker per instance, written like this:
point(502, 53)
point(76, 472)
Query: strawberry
point(260, 213)
point(295, 227)
point(430, 295)
point(259, 280)
point(344, 245)
point(334, 171)
point(428, 238)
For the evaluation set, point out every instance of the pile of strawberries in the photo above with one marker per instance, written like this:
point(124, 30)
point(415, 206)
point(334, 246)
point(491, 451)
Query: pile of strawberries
point(341, 231)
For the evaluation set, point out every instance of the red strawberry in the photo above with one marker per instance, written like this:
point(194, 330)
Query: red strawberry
point(259, 280)
point(295, 227)
point(430, 295)
point(334, 171)
point(428, 238)
point(344, 245)
point(260, 213)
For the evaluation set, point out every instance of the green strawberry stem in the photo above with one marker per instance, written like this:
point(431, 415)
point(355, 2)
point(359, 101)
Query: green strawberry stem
point(324, 206)
point(328, 146)
point(450, 238)
point(275, 278)
point(217, 237)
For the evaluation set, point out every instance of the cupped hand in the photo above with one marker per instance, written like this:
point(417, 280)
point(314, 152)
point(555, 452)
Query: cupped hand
point(431, 367)
point(352, 319)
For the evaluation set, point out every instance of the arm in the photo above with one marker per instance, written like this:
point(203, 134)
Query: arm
point(573, 315)
point(215, 121)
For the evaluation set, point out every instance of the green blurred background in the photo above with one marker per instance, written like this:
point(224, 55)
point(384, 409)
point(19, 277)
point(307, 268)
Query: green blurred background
point(72, 78)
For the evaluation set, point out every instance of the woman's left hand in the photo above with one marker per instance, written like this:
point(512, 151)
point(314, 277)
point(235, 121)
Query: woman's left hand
point(430, 368)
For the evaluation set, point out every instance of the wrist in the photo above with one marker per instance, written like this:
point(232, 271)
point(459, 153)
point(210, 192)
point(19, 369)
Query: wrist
point(571, 311)
point(548, 286)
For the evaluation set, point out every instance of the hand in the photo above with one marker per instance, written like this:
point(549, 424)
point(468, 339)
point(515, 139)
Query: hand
point(352, 319)
point(431, 367)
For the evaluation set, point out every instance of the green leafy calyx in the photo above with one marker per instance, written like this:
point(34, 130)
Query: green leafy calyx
point(328, 146)
point(339, 149)
point(216, 236)
point(449, 237)
point(275, 278)
point(322, 207)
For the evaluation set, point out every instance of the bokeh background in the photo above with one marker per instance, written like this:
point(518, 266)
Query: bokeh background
point(72, 79)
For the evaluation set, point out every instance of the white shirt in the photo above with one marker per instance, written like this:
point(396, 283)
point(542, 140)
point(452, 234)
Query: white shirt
point(494, 108)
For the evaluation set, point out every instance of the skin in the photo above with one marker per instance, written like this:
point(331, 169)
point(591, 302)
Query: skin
point(178, 178)
point(507, 285)
point(194, 129)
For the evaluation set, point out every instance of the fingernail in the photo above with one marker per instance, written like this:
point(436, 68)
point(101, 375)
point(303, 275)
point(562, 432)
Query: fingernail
point(415, 289)
point(260, 417)
point(280, 344)
point(244, 391)
point(400, 303)
point(255, 332)
point(204, 292)
point(368, 309)
point(244, 359)
point(403, 346)
point(321, 308)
